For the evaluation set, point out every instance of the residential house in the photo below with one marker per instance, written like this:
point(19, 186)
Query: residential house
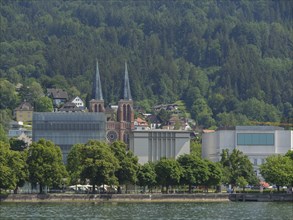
point(59, 97)
point(78, 102)
point(24, 112)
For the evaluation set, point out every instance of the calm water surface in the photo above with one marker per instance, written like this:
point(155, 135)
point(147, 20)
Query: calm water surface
point(160, 211)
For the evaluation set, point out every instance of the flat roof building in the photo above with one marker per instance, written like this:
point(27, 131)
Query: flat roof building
point(152, 145)
point(257, 142)
point(68, 129)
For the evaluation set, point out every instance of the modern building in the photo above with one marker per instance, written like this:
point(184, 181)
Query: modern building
point(68, 129)
point(257, 142)
point(152, 145)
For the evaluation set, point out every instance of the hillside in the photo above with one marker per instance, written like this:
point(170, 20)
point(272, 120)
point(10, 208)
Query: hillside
point(229, 61)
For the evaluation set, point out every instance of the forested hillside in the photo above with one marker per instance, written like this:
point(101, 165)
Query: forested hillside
point(229, 61)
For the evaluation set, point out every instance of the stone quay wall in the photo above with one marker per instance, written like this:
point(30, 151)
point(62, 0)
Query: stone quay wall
point(115, 197)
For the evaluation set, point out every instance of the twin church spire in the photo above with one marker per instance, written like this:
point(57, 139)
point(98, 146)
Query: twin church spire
point(98, 95)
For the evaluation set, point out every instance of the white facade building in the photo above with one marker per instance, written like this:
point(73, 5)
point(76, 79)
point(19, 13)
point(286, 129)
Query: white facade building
point(257, 142)
point(152, 145)
point(78, 102)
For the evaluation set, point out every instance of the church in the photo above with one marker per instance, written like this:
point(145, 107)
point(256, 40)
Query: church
point(66, 129)
point(119, 123)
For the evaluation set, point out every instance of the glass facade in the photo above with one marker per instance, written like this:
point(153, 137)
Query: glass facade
point(255, 139)
point(67, 129)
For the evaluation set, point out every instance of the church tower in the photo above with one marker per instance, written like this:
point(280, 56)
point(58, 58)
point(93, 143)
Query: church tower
point(125, 112)
point(97, 103)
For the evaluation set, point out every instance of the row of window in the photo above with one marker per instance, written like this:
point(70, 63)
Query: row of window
point(255, 139)
point(67, 126)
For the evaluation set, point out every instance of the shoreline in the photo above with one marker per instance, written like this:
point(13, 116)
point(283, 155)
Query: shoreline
point(117, 198)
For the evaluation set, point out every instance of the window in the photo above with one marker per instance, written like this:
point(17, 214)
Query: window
point(255, 139)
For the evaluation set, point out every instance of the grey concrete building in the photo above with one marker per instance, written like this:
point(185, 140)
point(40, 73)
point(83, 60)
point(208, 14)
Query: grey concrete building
point(257, 142)
point(152, 145)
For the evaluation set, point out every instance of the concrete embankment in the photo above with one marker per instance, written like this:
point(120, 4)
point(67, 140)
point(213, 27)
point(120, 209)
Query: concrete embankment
point(261, 197)
point(202, 197)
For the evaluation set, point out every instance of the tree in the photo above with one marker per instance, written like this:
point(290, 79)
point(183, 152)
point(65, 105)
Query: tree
point(289, 154)
point(13, 169)
point(17, 145)
point(44, 104)
point(195, 171)
point(168, 172)
point(98, 164)
point(3, 135)
point(237, 165)
point(277, 170)
point(73, 166)
point(215, 173)
point(164, 117)
point(5, 118)
point(17, 162)
point(146, 176)
point(7, 177)
point(8, 96)
point(195, 146)
point(202, 113)
point(45, 164)
point(128, 163)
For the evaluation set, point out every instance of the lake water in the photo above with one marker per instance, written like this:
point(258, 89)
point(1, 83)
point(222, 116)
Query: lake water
point(146, 211)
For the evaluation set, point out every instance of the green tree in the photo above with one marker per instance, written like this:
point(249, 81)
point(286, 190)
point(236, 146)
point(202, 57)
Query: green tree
point(44, 104)
point(13, 169)
point(146, 176)
point(195, 146)
point(241, 182)
point(8, 96)
point(73, 165)
point(195, 171)
point(164, 116)
point(202, 113)
point(7, 177)
point(128, 163)
point(289, 154)
point(45, 164)
point(168, 172)
point(236, 165)
point(277, 170)
point(17, 161)
point(17, 145)
point(3, 135)
point(98, 164)
point(31, 91)
point(215, 173)
point(5, 118)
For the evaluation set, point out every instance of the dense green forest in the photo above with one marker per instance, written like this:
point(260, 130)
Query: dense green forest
point(229, 61)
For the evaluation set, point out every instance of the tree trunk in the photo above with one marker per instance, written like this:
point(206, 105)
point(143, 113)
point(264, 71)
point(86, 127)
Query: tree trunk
point(189, 188)
point(41, 188)
point(94, 188)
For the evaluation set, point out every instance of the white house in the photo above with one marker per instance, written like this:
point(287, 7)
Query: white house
point(78, 102)
point(257, 142)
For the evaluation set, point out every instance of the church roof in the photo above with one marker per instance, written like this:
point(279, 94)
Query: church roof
point(127, 94)
point(97, 85)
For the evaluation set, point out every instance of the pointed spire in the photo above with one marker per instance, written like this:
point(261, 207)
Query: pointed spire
point(98, 88)
point(127, 94)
